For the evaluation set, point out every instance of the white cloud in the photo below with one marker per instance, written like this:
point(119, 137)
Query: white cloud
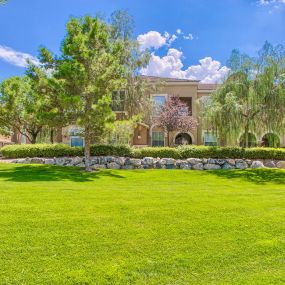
point(15, 57)
point(156, 40)
point(171, 65)
point(268, 2)
point(152, 39)
point(208, 71)
point(178, 31)
point(172, 39)
point(189, 37)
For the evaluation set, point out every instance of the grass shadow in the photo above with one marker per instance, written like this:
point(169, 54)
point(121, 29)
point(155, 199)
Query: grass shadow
point(37, 173)
point(257, 176)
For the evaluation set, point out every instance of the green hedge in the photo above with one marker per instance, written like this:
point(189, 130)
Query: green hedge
point(40, 150)
point(183, 152)
point(165, 152)
point(58, 150)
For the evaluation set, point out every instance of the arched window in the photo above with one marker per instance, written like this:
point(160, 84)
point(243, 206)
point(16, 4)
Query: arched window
point(183, 139)
point(270, 140)
point(252, 142)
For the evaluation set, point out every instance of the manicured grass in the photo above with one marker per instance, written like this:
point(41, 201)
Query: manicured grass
point(62, 226)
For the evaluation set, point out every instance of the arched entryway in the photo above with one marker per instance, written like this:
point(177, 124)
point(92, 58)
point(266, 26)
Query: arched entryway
point(252, 142)
point(270, 140)
point(183, 139)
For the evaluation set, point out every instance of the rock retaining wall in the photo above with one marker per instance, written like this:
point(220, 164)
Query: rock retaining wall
point(111, 162)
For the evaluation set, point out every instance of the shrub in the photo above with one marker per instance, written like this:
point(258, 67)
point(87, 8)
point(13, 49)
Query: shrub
point(211, 152)
point(165, 152)
point(40, 150)
point(58, 150)
point(115, 150)
point(183, 152)
point(232, 152)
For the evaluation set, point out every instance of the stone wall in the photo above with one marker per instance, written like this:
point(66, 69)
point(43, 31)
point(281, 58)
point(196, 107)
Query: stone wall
point(111, 162)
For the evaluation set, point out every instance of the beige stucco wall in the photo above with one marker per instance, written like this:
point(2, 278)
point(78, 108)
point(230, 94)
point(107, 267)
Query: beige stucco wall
point(185, 90)
point(142, 134)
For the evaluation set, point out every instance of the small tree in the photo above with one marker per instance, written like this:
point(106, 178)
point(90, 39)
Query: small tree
point(21, 108)
point(55, 103)
point(174, 116)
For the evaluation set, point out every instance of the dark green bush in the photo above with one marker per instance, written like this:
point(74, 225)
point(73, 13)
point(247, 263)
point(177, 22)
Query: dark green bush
point(40, 150)
point(183, 152)
point(211, 152)
point(115, 150)
point(165, 152)
point(58, 150)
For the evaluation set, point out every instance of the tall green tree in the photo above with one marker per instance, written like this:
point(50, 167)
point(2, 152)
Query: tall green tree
point(134, 59)
point(252, 97)
point(91, 69)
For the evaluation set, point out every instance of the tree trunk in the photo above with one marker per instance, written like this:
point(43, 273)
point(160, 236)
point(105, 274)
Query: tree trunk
point(51, 136)
point(87, 150)
point(33, 139)
point(168, 139)
point(246, 134)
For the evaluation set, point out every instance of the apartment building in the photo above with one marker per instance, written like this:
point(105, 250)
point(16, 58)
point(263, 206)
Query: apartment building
point(189, 91)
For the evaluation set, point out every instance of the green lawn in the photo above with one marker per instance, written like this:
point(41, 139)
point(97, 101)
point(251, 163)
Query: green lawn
point(63, 226)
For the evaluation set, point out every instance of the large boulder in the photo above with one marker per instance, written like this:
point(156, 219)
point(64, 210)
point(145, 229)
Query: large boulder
point(168, 161)
point(135, 162)
point(120, 160)
point(228, 166)
point(270, 164)
point(241, 164)
point(147, 161)
point(211, 166)
point(231, 161)
point(281, 164)
point(183, 164)
point(198, 166)
point(113, 165)
point(194, 161)
point(257, 164)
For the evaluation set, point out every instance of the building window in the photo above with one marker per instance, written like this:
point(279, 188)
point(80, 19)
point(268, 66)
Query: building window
point(157, 138)
point(187, 110)
point(118, 101)
point(76, 141)
point(158, 103)
point(210, 139)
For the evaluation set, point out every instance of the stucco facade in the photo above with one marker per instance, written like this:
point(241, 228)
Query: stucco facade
point(189, 91)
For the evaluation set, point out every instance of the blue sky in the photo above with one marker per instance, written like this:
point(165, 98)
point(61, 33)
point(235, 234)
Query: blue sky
point(188, 38)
